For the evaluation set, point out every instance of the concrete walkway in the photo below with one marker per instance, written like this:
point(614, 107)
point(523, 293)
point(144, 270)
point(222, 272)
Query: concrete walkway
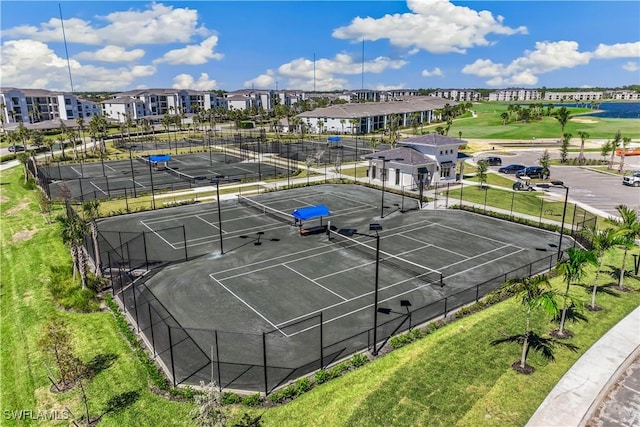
point(576, 397)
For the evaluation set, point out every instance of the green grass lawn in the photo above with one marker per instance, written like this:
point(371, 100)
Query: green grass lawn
point(488, 125)
point(30, 247)
point(452, 376)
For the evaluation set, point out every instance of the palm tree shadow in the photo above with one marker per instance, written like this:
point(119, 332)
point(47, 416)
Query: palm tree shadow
point(100, 362)
point(606, 288)
point(120, 402)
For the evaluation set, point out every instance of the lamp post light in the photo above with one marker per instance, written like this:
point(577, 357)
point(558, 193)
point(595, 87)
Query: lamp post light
point(383, 175)
point(350, 232)
point(217, 181)
point(403, 303)
point(564, 213)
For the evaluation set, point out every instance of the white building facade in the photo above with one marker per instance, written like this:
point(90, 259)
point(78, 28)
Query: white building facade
point(37, 105)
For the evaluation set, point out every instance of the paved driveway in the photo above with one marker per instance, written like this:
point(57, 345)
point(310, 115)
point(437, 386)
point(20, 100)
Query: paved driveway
point(599, 190)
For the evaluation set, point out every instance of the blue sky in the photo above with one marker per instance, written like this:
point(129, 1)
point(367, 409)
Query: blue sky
point(203, 45)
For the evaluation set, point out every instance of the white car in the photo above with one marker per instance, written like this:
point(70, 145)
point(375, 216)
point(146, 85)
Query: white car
point(632, 180)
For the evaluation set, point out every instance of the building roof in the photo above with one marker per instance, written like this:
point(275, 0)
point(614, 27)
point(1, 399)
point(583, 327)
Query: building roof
point(409, 156)
point(370, 109)
point(44, 125)
point(432, 140)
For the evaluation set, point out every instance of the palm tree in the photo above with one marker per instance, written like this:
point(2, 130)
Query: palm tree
point(625, 142)
point(342, 123)
point(91, 211)
point(23, 158)
point(534, 293)
point(73, 232)
point(320, 124)
point(564, 148)
point(572, 269)
point(354, 125)
point(602, 241)
point(627, 232)
point(617, 139)
point(80, 123)
point(583, 137)
point(562, 116)
point(505, 118)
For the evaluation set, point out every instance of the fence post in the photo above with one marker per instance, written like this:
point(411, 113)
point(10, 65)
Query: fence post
point(264, 362)
point(321, 343)
point(541, 210)
point(153, 341)
point(173, 368)
point(184, 236)
point(144, 243)
point(217, 360)
point(445, 306)
point(135, 307)
point(126, 199)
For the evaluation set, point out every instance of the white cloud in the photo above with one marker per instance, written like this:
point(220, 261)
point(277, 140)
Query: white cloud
point(631, 66)
point(193, 54)
point(32, 64)
point(547, 57)
point(157, 24)
point(186, 81)
point(263, 81)
point(437, 72)
point(382, 86)
point(111, 53)
point(618, 50)
point(436, 26)
point(300, 72)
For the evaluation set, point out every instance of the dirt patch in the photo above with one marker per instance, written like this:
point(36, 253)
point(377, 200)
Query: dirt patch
point(23, 235)
point(580, 120)
point(4, 199)
point(19, 207)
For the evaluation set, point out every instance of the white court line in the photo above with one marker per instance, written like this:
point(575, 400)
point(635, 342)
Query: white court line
point(159, 236)
point(211, 224)
point(107, 166)
point(75, 170)
point(137, 183)
point(488, 262)
point(314, 282)
point(100, 189)
point(429, 244)
point(247, 304)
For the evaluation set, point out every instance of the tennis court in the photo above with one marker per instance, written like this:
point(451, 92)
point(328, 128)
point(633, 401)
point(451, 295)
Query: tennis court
point(304, 302)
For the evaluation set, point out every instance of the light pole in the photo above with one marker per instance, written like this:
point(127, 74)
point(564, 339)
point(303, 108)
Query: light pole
point(403, 303)
point(383, 176)
point(564, 213)
point(217, 181)
point(350, 232)
point(133, 178)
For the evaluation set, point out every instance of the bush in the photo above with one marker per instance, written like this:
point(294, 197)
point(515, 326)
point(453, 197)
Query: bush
point(230, 398)
point(338, 370)
point(302, 385)
point(404, 339)
point(358, 360)
point(68, 294)
point(252, 400)
point(322, 376)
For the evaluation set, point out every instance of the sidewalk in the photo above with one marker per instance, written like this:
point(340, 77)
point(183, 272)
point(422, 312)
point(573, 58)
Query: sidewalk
point(575, 398)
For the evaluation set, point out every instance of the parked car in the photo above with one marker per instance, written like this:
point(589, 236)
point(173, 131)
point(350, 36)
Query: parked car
point(492, 161)
point(531, 172)
point(511, 168)
point(15, 148)
point(632, 180)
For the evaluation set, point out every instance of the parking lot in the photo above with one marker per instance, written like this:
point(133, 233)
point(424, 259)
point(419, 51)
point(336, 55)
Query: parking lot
point(599, 190)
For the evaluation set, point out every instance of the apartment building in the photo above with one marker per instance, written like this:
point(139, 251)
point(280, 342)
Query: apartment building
point(573, 96)
point(38, 105)
point(459, 95)
point(515, 95)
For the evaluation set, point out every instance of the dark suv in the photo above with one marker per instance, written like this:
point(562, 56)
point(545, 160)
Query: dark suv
point(531, 172)
point(492, 161)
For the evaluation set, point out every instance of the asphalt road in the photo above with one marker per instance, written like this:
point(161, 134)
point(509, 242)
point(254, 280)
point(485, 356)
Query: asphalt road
point(601, 191)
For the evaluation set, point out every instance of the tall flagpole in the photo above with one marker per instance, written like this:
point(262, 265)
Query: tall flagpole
point(66, 50)
point(362, 64)
point(314, 72)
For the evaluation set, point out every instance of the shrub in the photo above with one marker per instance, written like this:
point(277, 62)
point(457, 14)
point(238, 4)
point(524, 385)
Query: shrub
point(338, 369)
point(252, 400)
point(322, 376)
point(358, 360)
point(230, 398)
point(302, 385)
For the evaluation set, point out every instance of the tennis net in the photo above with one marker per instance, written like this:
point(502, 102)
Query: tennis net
point(181, 175)
point(420, 272)
point(266, 210)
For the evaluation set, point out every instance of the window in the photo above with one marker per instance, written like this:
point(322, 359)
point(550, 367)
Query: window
point(373, 172)
point(441, 152)
point(397, 176)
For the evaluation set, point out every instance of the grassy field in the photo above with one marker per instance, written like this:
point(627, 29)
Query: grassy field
point(436, 381)
point(488, 125)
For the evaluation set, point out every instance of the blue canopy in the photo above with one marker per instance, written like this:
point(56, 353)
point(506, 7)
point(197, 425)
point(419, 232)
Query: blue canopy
point(333, 139)
point(311, 212)
point(160, 158)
